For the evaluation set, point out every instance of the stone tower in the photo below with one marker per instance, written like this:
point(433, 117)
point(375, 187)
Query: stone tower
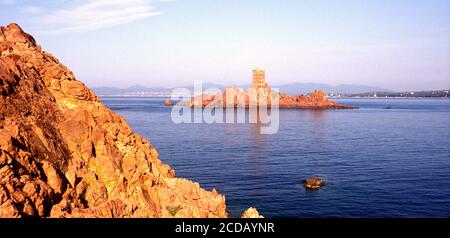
point(259, 78)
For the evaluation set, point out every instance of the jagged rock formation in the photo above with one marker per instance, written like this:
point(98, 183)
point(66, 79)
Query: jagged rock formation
point(64, 154)
point(316, 100)
point(235, 97)
point(232, 97)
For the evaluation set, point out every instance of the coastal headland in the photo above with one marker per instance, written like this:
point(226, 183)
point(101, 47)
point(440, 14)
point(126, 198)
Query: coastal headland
point(63, 153)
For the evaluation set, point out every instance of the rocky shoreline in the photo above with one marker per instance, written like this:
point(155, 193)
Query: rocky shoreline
point(64, 154)
point(238, 98)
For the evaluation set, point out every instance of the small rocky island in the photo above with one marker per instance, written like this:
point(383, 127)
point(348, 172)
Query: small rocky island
point(64, 154)
point(313, 183)
point(260, 91)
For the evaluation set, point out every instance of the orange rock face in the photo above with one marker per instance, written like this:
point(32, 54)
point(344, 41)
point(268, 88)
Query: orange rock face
point(316, 100)
point(64, 154)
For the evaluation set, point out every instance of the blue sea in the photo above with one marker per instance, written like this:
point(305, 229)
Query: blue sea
point(390, 158)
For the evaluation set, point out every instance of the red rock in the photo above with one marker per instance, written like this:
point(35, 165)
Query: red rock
point(234, 97)
point(168, 103)
point(313, 183)
point(251, 213)
point(64, 154)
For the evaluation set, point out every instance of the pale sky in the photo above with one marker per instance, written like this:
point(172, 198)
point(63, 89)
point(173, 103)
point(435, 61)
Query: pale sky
point(396, 44)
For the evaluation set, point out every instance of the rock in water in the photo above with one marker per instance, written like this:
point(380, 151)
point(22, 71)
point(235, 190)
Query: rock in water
point(234, 97)
point(313, 183)
point(64, 154)
point(251, 213)
point(168, 103)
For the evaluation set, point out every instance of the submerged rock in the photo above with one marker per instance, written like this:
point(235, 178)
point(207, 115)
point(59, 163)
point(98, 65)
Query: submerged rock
point(64, 154)
point(313, 183)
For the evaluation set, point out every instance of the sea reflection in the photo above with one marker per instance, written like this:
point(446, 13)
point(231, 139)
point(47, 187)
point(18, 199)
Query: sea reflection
point(317, 119)
point(258, 147)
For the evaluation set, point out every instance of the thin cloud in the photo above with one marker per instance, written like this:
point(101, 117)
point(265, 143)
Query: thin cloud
point(32, 9)
point(96, 14)
point(7, 2)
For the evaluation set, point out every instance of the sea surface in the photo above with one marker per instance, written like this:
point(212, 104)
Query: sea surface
point(390, 158)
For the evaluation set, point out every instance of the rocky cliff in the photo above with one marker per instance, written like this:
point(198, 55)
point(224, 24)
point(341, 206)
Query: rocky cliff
point(64, 154)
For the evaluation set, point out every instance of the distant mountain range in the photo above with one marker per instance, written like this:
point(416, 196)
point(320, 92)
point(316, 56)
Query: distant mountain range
point(293, 89)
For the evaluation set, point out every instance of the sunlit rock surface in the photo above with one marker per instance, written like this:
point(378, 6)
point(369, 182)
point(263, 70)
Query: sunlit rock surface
point(64, 154)
point(251, 213)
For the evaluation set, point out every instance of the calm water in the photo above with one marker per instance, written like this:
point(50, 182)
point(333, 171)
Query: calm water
point(377, 162)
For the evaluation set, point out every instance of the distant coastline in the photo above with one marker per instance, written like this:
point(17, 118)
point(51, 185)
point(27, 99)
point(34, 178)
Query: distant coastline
point(291, 89)
point(409, 94)
point(135, 91)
